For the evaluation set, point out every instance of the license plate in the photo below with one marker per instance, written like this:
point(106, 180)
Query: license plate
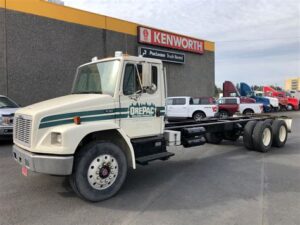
point(24, 171)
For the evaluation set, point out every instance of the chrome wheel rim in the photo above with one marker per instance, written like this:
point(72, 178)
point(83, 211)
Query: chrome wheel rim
point(103, 172)
point(282, 133)
point(266, 136)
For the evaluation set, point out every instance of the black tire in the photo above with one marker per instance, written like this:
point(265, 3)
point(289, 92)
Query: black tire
point(214, 138)
point(73, 186)
point(269, 121)
point(247, 137)
point(279, 140)
point(248, 112)
point(262, 141)
point(86, 156)
point(283, 108)
point(198, 116)
point(232, 135)
point(223, 114)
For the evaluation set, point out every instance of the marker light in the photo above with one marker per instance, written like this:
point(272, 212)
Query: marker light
point(118, 54)
point(94, 59)
point(77, 120)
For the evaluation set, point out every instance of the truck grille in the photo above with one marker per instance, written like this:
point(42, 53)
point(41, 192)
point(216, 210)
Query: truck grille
point(22, 130)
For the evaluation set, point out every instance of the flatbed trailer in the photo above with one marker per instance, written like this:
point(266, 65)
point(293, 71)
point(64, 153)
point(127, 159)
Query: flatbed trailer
point(114, 119)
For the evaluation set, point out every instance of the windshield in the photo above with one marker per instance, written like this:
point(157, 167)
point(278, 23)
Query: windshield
point(7, 103)
point(97, 78)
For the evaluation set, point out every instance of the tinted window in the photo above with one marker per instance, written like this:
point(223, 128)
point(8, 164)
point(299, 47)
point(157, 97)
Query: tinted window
point(230, 101)
point(204, 101)
point(131, 83)
point(178, 101)
point(7, 103)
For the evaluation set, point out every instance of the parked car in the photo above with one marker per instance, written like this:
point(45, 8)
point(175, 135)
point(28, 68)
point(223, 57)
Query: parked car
point(228, 106)
point(190, 108)
point(7, 110)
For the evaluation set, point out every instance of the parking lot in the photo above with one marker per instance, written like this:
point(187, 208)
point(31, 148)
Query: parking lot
point(211, 184)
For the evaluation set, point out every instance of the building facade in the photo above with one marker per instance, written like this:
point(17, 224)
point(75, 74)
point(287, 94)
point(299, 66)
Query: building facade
point(42, 44)
point(292, 84)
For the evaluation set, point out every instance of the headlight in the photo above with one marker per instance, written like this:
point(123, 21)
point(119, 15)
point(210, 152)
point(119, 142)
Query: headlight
point(56, 138)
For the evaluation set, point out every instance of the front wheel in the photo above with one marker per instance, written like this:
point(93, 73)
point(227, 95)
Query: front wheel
point(100, 169)
point(198, 116)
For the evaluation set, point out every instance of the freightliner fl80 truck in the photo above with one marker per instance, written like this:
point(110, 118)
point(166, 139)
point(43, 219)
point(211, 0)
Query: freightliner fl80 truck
point(113, 119)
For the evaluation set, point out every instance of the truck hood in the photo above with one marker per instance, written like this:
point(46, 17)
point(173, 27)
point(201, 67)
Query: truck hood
point(8, 111)
point(67, 104)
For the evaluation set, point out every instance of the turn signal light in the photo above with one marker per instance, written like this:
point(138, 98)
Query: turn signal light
point(77, 120)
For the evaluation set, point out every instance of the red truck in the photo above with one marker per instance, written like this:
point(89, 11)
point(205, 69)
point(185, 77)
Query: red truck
point(285, 102)
point(229, 90)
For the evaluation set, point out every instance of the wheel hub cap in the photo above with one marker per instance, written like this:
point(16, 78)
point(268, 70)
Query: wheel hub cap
point(102, 172)
point(266, 137)
point(282, 133)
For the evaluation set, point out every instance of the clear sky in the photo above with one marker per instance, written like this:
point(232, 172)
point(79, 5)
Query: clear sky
point(257, 41)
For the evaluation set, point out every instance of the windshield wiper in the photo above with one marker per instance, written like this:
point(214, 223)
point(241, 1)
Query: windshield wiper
point(88, 92)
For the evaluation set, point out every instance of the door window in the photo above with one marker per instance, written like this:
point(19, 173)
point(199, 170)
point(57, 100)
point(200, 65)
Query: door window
point(178, 101)
point(132, 79)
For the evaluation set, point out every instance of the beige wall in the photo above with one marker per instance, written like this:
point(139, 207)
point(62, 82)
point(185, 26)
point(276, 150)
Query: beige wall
point(292, 84)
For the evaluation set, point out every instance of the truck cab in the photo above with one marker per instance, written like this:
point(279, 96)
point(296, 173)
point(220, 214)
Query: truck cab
point(246, 91)
point(282, 99)
point(117, 100)
point(229, 90)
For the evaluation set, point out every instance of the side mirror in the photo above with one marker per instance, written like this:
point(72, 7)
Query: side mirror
point(146, 76)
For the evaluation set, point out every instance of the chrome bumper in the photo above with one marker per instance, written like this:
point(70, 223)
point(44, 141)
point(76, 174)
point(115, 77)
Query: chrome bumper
point(48, 164)
point(6, 131)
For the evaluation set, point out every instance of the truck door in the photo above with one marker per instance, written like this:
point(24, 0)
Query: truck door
point(179, 108)
point(145, 108)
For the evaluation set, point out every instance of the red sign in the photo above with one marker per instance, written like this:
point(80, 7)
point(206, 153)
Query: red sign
point(170, 40)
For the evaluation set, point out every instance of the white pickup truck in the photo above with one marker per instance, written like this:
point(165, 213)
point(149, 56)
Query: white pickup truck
point(113, 119)
point(228, 106)
point(187, 107)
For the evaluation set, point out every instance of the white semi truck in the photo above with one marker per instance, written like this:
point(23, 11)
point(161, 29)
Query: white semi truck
point(114, 119)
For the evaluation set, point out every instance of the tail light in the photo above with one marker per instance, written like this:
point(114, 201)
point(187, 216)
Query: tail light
point(215, 108)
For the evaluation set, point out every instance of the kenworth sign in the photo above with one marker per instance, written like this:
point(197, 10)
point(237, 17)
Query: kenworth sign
point(169, 40)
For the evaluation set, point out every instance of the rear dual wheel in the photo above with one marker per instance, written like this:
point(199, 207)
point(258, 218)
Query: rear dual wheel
point(280, 133)
point(260, 136)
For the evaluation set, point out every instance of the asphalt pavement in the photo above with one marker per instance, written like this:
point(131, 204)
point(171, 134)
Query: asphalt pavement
point(211, 184)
